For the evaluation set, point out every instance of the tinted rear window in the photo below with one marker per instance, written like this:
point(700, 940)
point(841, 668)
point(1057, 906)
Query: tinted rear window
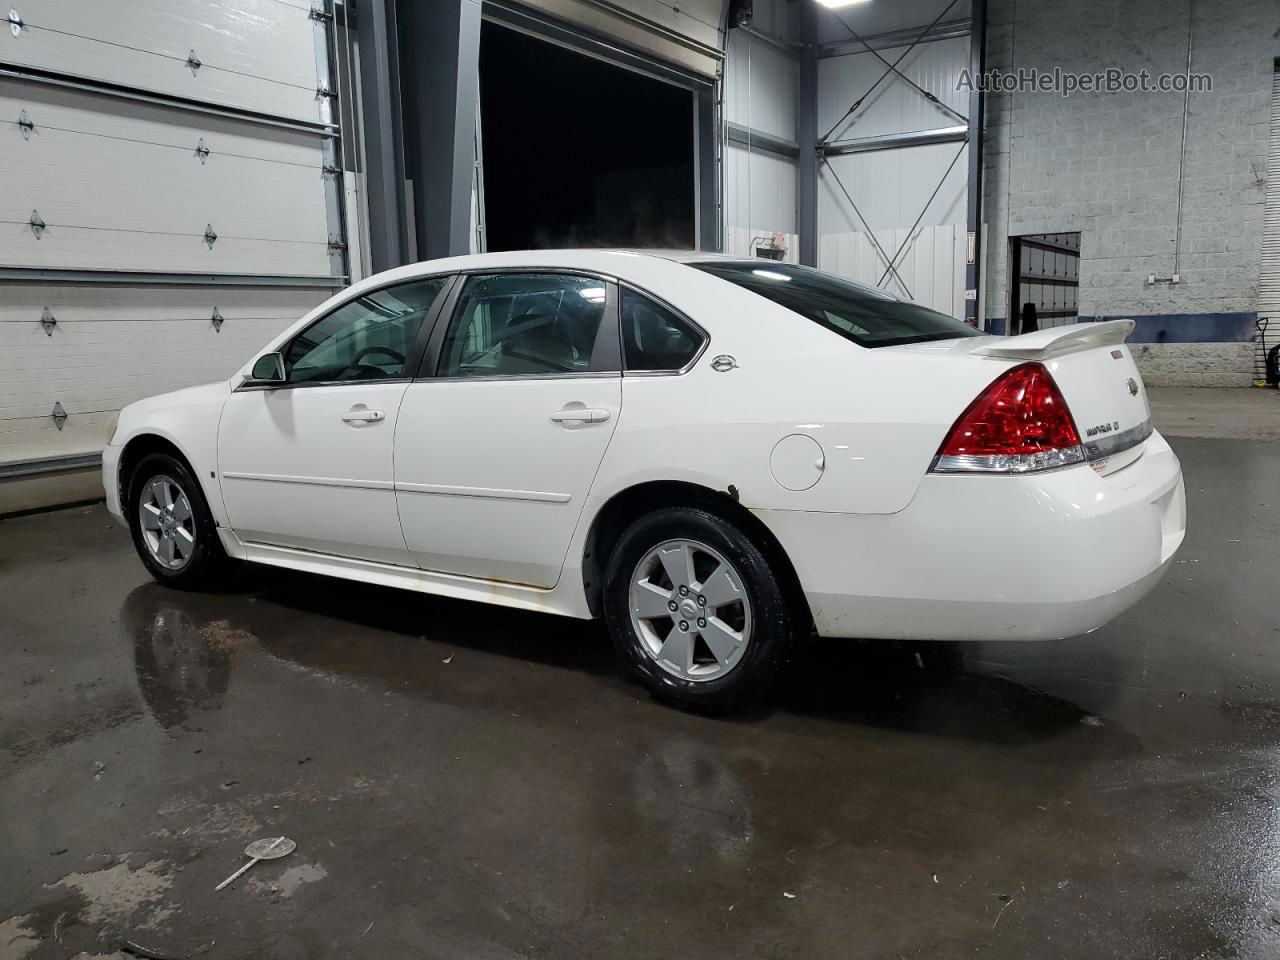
point(865, 315)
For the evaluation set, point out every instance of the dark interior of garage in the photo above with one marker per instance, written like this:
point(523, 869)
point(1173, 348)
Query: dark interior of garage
point(579, 152)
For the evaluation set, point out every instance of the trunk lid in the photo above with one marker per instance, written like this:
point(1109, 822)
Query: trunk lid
point(1096, 373)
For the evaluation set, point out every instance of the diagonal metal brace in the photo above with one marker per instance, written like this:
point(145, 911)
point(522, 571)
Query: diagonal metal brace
point(867, 227)
point(923, 211)
point(914, 43)
point(893, 67)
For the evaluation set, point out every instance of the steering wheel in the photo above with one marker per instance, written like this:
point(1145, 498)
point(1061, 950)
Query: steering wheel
point(395, 355)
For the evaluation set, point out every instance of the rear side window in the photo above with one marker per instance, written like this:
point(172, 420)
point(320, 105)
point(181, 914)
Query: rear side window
point(653, 337)
point(524, 324)
point(865, 315)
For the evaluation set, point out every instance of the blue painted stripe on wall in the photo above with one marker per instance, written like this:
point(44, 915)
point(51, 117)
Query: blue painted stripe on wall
point(1189, 327)
point(1172, 327)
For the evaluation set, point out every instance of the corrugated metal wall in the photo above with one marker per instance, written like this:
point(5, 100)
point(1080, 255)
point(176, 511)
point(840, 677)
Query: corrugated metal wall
point(760, 95)
point(893, 187)
point(171, 200)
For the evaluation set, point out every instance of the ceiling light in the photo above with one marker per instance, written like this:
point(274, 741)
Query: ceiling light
point(837, 4)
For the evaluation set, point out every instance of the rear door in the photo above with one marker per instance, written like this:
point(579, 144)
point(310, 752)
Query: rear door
point(498, 443)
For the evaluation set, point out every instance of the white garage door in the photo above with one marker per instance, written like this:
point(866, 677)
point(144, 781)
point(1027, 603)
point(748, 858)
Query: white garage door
point(171, 201)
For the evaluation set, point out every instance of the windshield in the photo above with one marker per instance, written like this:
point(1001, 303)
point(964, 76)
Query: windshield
point(865, 315)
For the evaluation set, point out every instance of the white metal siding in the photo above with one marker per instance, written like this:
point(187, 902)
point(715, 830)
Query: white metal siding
point(932, 265)
point(1269, 282)
point(254, 54)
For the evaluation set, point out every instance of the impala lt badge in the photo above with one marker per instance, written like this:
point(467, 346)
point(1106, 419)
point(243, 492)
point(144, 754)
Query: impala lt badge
point(723, 363)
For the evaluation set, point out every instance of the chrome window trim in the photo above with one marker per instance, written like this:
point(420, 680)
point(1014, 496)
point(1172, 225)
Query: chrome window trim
point(576, 375)
point(307, 384)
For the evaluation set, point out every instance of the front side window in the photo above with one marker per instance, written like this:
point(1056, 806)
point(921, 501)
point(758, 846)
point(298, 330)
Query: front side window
point(653, 337)
point(523, 324)
point(369, 338)
point(865, 315)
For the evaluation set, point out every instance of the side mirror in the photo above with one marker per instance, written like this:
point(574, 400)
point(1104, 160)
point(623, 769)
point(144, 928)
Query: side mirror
point(268, 369)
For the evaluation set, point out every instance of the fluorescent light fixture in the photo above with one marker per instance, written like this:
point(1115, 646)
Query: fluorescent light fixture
point(837, 4)
point(771, 275)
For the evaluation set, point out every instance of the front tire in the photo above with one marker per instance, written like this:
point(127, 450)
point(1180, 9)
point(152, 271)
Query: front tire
point(173, 530)
point(695, 612)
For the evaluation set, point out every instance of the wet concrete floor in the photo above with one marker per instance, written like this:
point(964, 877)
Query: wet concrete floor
point(463, 781)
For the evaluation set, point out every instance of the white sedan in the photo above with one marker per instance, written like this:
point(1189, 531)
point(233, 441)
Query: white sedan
point(717, 456)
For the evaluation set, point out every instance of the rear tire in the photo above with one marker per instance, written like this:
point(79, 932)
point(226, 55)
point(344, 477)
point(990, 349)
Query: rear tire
point(695, 612)
point(173, 529)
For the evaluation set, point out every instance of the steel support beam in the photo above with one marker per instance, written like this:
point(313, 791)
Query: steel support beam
point(707, 160)
point(973, 258)
point(440, 50)
point(893, 141)
point(384, 135)
point(807, 135)
point(947, 30)
point(764, 142)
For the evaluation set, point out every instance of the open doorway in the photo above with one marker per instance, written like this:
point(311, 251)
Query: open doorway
point(1044, 281)
point(580, 152)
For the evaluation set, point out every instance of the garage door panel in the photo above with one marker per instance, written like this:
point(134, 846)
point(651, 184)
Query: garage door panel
point(35, 438)
point(146, 176)
point(74, 302)
point(102, 115)
point(103, 353)
point(106, 249)
point(254, 54)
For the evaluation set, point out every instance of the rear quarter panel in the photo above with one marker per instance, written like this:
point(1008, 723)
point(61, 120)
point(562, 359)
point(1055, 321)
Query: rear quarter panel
point(878, 415)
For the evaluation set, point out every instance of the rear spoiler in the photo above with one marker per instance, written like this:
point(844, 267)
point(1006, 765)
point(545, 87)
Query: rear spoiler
point(1045, 344)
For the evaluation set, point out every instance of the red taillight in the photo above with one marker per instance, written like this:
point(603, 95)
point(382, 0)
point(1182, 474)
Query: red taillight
point(1018, 424)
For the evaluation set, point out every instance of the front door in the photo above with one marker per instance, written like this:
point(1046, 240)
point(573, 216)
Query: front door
point(308, 464)
point(496, 452)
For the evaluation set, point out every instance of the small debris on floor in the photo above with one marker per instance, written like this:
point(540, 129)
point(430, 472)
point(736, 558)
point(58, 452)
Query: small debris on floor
point(788, 894)
point(448, 659)
point(1092, 721)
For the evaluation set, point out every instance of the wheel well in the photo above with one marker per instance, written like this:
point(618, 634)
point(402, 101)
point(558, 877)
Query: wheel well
point(141, 446)
point(625, 507)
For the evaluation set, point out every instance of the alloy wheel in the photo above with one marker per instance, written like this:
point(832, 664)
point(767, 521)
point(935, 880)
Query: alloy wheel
point(168, 522)
point(690, 610)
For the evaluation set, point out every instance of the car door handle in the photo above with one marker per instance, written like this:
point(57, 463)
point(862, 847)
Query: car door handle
point(581, 415)
point(363, 416)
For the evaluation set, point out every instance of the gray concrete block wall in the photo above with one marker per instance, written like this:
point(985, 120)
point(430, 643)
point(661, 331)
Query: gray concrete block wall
point(1107, 164)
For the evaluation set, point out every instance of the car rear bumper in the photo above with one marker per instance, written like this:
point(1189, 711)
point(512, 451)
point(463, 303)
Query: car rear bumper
point(1036, 557)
